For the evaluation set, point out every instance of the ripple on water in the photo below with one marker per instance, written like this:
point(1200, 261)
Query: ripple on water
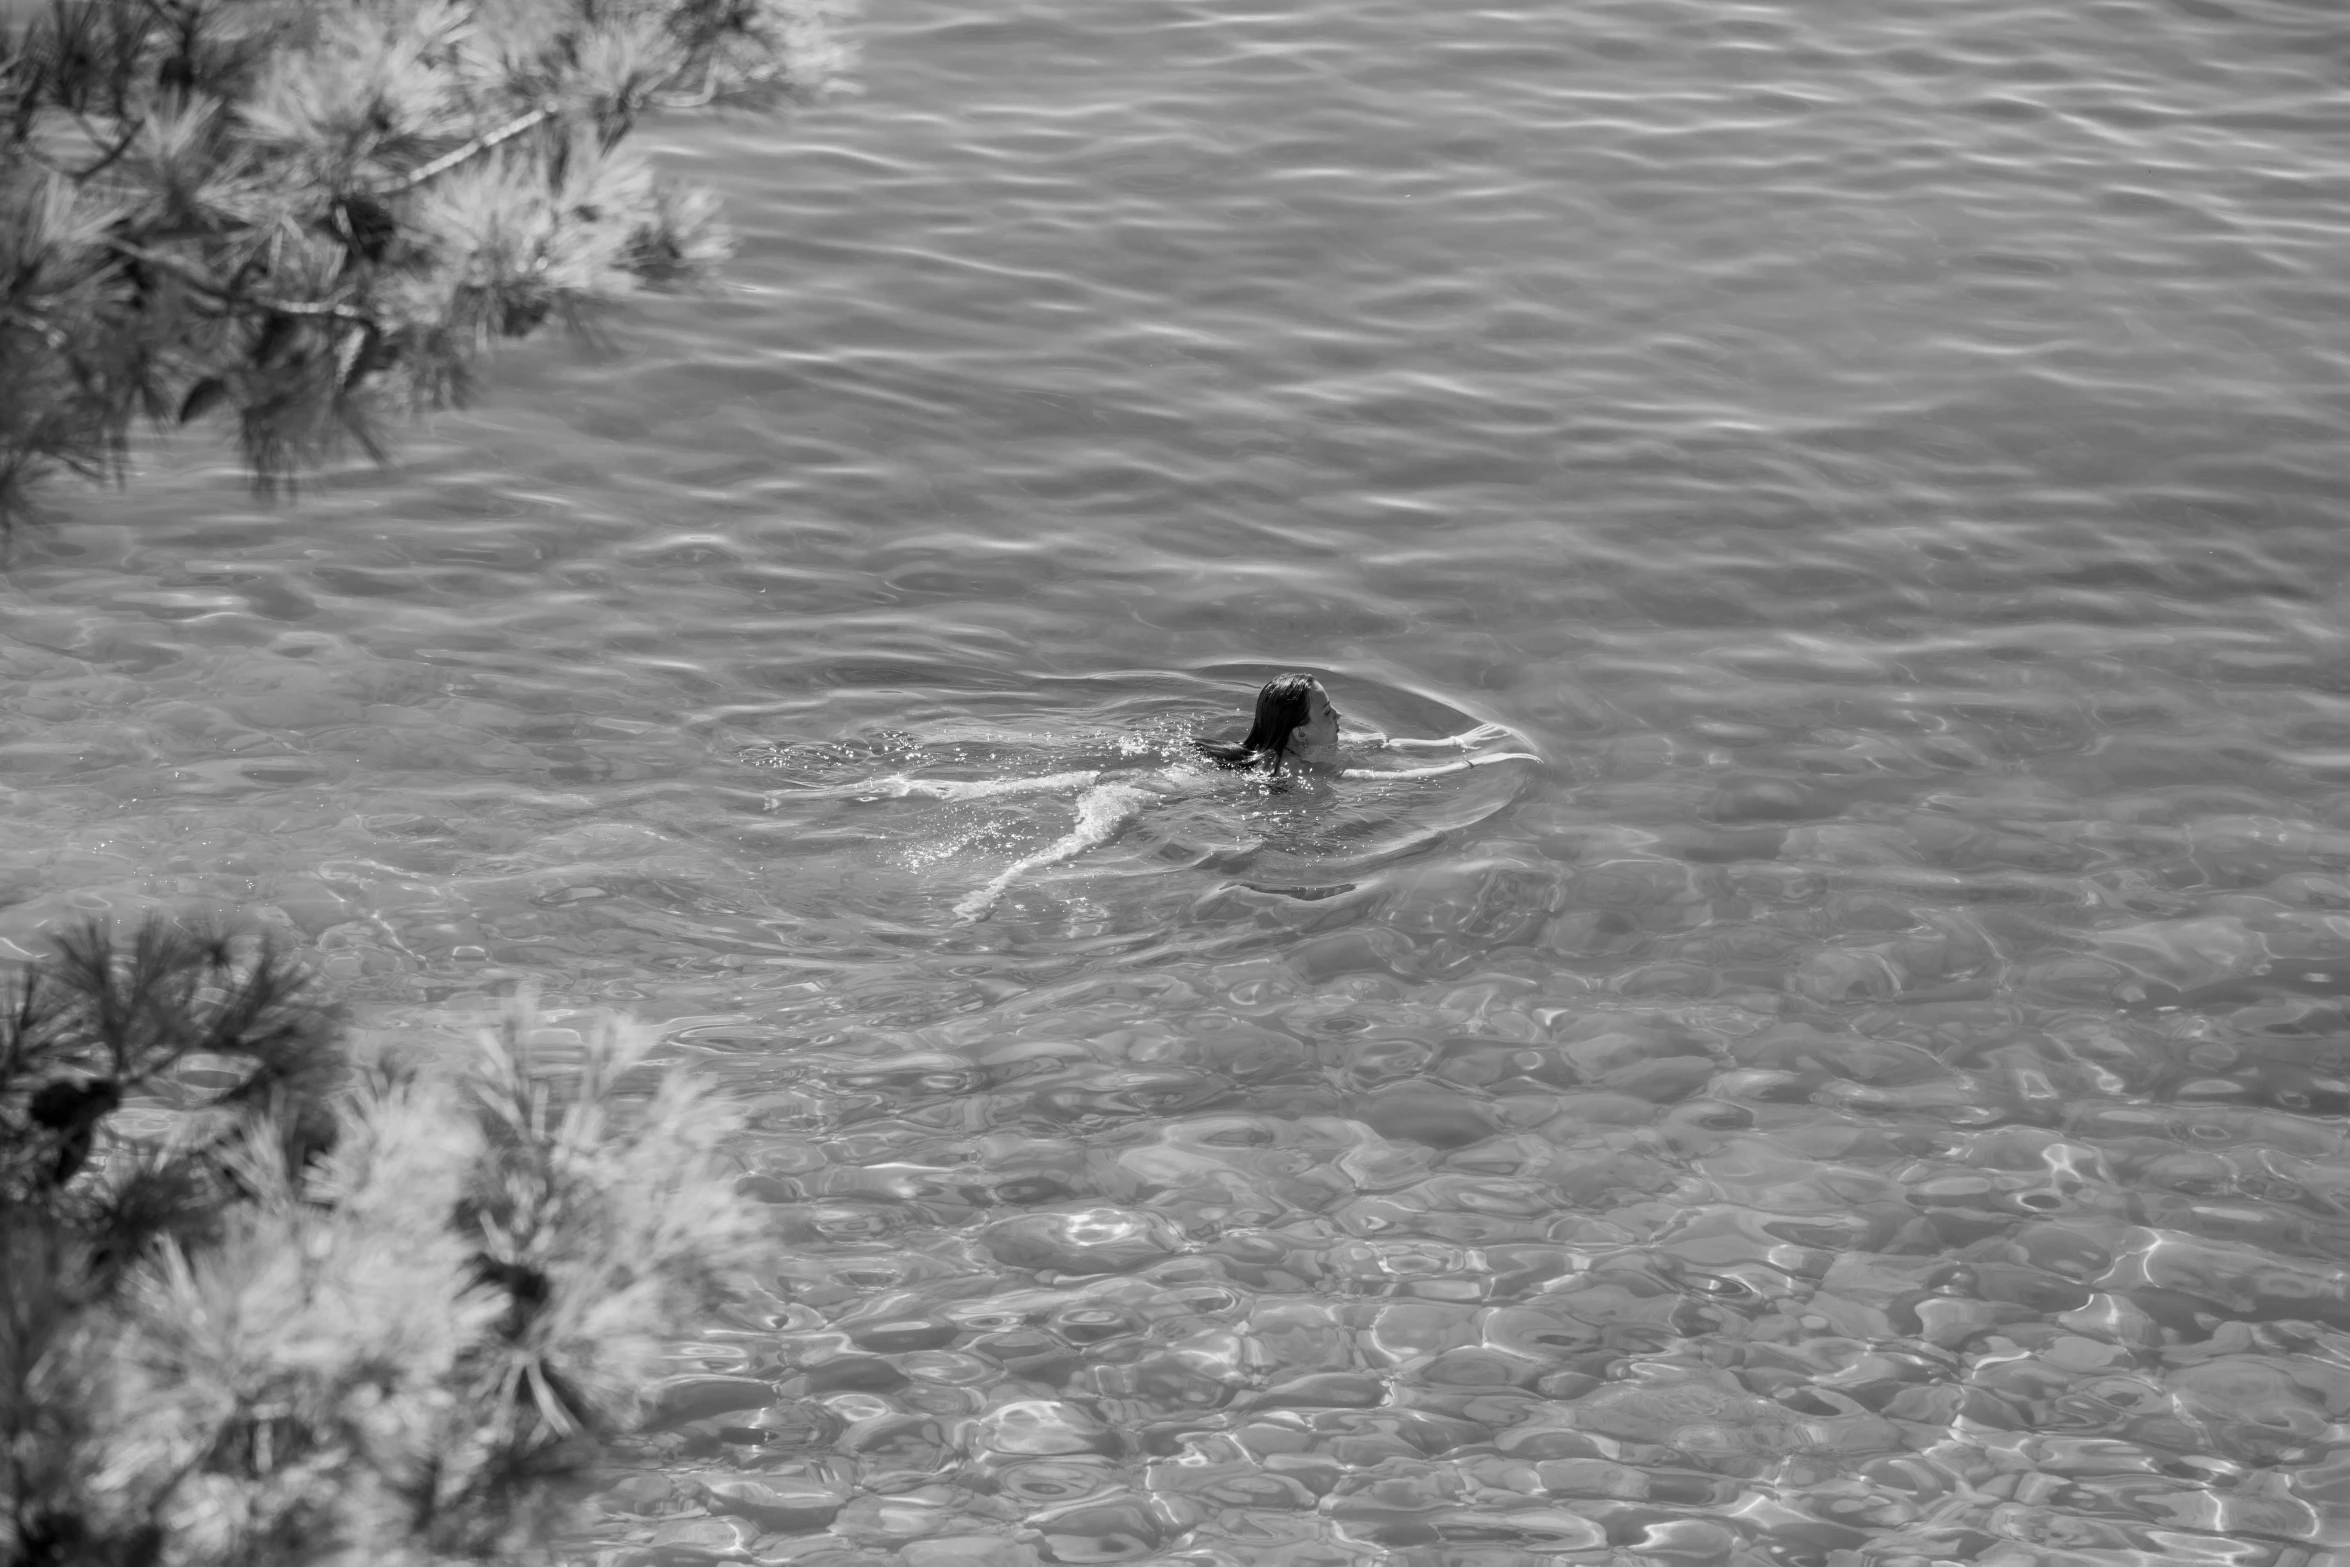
point(1875, 1095)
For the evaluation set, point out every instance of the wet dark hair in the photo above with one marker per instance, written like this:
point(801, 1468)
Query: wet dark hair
point(1281, 707)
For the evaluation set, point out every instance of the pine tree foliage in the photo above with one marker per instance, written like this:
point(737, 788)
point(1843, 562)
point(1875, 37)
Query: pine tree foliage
point(394, 1308)
point(300, 214)
point(225, 1032)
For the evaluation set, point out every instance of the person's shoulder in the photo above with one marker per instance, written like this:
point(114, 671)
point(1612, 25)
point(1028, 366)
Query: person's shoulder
point(1233, 758)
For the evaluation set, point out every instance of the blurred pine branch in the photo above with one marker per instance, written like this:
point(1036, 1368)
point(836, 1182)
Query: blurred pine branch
point(261, 1307)
point(305, 214)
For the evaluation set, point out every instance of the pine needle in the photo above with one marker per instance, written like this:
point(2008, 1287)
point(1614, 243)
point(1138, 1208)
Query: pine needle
point(404, 1340)
point(295, 214)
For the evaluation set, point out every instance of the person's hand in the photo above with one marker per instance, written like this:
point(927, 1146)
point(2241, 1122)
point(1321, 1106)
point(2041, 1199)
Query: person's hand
point(1483, 734)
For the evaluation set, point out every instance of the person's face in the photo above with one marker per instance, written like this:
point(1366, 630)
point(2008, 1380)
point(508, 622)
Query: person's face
point(1320, 730)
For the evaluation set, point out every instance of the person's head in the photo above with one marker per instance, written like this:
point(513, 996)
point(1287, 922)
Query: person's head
point(1293, 717)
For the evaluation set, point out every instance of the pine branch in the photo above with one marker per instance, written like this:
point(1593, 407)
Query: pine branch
point(196, 278)
point(472, 149)
point(237, 153)
point(107, 159)
point(256, 1357)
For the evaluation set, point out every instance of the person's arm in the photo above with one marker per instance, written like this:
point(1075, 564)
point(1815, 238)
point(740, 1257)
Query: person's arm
point(1441, 768)
point(1466, 740)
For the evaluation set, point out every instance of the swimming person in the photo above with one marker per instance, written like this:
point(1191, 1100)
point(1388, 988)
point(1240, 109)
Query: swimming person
point(1296, 731)
point(1294, 735)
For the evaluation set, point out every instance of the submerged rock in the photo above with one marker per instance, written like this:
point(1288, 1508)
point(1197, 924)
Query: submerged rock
point(966, 1550)
point(1114, 1529)
point(781, 1503)
point(674, 1401)
point(1088, 1240)
point(690, 1542)
point(1042, 1427)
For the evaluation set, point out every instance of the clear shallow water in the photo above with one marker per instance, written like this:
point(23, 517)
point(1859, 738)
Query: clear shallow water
point(1875, 1096)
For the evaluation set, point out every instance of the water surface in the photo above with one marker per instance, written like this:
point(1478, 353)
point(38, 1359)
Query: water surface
point(1874, 1096)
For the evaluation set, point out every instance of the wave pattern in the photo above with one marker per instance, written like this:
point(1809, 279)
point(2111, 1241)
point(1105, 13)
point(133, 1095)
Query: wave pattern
point(1876, 1097)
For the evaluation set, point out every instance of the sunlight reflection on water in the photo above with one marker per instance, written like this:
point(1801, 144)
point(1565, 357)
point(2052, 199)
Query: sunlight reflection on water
point(1874, 1097)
